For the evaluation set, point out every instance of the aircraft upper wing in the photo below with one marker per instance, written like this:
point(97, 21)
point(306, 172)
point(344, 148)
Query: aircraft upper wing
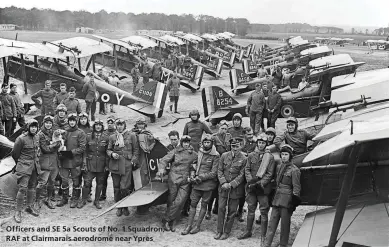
point(172, 39)
point(141, 41)
point(34, 49)
point(7, 51)
point(87, 46)
point(362, 132)
point(117, 42)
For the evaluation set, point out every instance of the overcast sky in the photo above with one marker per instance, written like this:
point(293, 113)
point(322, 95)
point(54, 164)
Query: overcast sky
point(314, 12)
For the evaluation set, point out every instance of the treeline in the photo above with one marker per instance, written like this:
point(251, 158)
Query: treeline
point(292, 28)
point(48, 19)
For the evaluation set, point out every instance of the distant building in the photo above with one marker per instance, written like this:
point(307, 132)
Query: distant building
point(7, 27)
point(84, 30)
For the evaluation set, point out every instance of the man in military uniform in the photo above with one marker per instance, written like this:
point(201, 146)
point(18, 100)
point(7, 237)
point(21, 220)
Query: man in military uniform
point(135, 74)
point(47, 95)
point(259, 169)
point(236, 130)
point(145, 72)
point(221, 141)
point(123, 151)
point(48, 161)
point(19, 108)
point(255, 105)
point(59, 97)
point(195, 128)
point(204, 182)
point(286, 198)
point(250, 142)
point(231, 189)
point(174, 138)
point(72, 104)
point(294, 137)
point(273, 104)
point(60, 119)
point(75, 141)
point(173, 85)
point(96, 162)
point(10, 112)
point(182, 159)
point(26, 153)
point(111, 129)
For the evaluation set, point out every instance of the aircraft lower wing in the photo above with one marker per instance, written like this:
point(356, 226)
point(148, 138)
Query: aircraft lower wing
point(146, 195)
point(8, 180)
point(363, 225)
point(219, 114)
point(145, 108)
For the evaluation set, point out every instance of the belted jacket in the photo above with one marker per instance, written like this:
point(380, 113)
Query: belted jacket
point(288, 184)
point(181, 164)
point(260, 162)
point(206, 169)
point(127, 155)
point(75, 141)
point(231, 170)
point(96, 151)
point(26, 153)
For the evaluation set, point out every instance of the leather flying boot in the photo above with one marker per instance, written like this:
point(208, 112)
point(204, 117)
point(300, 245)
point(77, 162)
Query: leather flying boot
point(125, 211)
point(38, 200)
point(218, 235)
point(165, 225)
point(119, 212)
point(47, 201)
point(85, 194)
point(103, 194)
point(202, 213)
point(30, 199)
point(263, 231)
point(75, 197)
point(172, 226)
point(208, 215)
point(65, 197)
point(224, 236)
point(188, 227)
point(98, 190)
point(97, 204)
point(18, 216)
point(249, 230)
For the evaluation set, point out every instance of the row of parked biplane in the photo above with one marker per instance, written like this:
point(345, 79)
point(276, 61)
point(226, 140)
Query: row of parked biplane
point(350, 155)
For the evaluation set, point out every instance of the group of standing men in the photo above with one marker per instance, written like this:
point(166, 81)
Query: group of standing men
point(233, 166)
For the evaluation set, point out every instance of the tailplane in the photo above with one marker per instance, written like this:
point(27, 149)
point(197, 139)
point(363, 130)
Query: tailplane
point(215, 98)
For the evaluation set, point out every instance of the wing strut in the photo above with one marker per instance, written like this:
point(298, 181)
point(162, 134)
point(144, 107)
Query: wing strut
point(344, 194)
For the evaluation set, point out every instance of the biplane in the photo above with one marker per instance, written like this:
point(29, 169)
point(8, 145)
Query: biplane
point(298, 102)
point(349, 167)
point(377, 44)
point(56, 61)
point(212, 65)
point(122, 56)
point(289, 61)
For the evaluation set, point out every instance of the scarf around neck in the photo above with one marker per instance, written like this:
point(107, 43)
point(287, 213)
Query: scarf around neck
point(120, 138)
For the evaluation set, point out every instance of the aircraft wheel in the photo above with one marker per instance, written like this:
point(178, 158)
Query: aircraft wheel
point(193, 90)
point(287, 111)
point(152, 119)
point(27, 108)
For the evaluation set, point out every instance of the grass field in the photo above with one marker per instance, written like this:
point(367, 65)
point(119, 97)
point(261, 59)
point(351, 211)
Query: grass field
point(188, 101)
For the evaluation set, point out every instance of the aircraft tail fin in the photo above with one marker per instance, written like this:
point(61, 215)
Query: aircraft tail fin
point(230, 58)
point(238, 77)
point(216, 64)
point(215, 98)
point(195, 73)
point(249, 67)
point(155, 94)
